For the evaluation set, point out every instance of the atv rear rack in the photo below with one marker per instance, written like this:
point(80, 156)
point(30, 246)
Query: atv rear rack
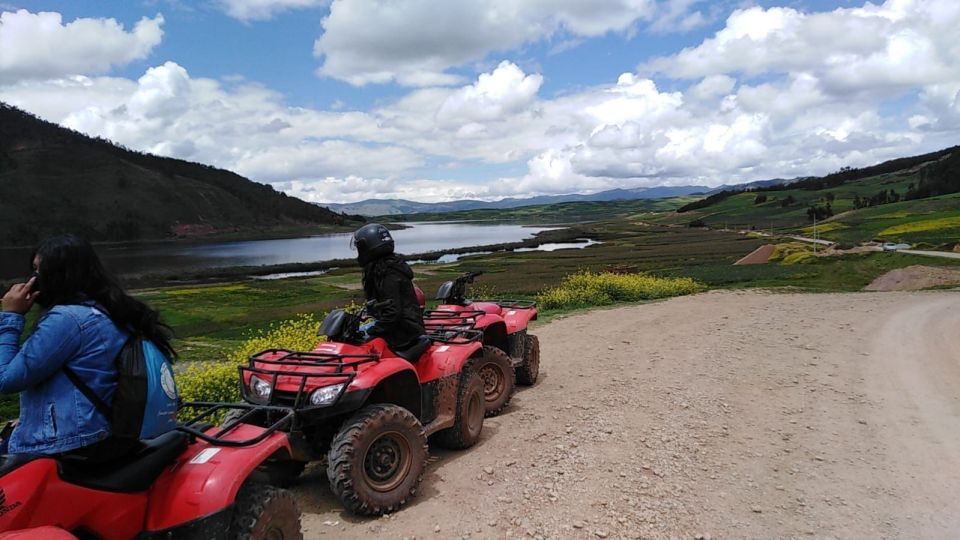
point(272, 364)
point(453, 335)
point(200, 426)
point(443, 319)
point(512, 304)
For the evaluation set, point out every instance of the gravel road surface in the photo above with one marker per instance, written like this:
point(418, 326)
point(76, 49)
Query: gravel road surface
point(720, 415)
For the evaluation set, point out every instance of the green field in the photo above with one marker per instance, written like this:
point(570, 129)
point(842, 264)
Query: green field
point(211, 320)
point(570, 212)
point(877, 223)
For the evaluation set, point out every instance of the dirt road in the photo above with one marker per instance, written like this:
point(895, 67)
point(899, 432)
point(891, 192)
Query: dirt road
point(722, 415)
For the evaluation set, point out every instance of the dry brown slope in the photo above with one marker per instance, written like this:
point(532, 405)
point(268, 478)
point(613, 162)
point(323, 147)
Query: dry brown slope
point(734, 415)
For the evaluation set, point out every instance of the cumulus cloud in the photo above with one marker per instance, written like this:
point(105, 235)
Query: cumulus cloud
point(719, 124)
point(505, 91)
point(872, 49)
point(262, 10)
point(39, 45)
point(371, 41)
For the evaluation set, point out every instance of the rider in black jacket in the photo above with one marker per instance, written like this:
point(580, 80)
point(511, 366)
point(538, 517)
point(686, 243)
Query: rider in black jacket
point(388, 283)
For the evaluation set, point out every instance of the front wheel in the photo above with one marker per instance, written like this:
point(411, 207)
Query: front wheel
point(528, 372)
point(264, 512)
point(376, 461)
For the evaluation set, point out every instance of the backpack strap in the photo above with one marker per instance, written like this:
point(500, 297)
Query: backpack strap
point(87, 391)
point(84, 389)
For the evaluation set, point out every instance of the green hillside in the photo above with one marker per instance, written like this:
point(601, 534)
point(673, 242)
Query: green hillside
point(918, 204)
point(567, 212)
point(56, 180)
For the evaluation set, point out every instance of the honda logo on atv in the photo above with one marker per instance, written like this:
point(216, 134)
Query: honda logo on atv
point(4, 507)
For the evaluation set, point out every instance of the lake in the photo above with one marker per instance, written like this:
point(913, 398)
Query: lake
point(177, 256)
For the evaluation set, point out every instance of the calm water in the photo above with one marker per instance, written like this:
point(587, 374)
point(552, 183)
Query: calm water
point(419, 238)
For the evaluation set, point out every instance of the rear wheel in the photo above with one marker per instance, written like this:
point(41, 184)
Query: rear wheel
point(468, 422)
point(528, 372)
point(264, 512)
point(376, 461)
point(496, 372)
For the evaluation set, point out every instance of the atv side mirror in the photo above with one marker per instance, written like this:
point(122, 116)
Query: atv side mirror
point(333, 324)
point(444, 291)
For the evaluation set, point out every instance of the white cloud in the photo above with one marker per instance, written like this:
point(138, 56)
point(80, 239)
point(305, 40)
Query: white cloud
point(40, 46)
point(873, 49)
point(262, 10)
point(505, 91)
point(415, 42)
point(727, 126)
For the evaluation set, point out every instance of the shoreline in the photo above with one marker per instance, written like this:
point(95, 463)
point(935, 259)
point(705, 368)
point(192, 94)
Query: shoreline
point(237, 273)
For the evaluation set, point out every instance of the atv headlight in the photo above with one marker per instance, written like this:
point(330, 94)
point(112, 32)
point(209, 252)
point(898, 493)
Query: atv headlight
point(260, 387)
point(326, 394)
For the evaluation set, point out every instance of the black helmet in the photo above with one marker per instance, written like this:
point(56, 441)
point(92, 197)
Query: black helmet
point(372, 241)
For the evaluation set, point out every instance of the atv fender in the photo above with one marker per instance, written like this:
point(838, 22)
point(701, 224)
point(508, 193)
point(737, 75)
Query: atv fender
point(206, 478)
point(487, 320)
point(495, 335)
point(442, 360)
point(518, 318)
point(387, 366)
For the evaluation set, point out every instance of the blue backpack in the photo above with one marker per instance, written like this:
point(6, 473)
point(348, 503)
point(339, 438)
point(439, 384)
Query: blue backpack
point(145, 401)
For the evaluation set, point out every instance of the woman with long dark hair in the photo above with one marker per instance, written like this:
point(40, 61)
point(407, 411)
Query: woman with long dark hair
point(87, 319)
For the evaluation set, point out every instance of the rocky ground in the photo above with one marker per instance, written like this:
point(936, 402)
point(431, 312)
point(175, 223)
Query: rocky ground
point(721, 415)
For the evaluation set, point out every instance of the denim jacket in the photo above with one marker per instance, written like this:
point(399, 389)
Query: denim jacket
point(54, 415)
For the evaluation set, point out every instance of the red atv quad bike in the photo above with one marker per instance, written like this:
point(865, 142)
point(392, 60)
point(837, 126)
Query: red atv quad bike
point(197, 482)
point(367, 410)
point(510, 352)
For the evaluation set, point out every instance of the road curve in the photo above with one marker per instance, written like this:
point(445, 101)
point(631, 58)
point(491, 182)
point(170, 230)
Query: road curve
point(726, 414)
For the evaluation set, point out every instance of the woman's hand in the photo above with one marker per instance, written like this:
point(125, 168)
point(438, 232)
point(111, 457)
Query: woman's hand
point(20, 298)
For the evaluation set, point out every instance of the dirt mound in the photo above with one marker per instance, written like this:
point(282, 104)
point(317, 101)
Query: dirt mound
point(914, 278)
point(758, 256)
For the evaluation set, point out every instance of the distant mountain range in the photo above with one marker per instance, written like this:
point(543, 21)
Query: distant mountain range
point(56, 180)
point(389, 207)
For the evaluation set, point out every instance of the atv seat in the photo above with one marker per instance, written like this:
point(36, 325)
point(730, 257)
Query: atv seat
point(128, 474)
point(415, 351)
point(12, 462)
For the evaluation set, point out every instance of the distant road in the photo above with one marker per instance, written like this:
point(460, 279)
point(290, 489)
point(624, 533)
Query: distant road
point(943, 254)
point(813, 240)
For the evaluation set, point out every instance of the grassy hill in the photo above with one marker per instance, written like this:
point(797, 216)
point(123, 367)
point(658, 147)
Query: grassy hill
point(57, 180)
point(913, 200)
point(567, 212)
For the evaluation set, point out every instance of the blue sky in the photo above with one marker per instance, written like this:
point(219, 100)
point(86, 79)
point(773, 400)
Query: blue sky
point(337, 100)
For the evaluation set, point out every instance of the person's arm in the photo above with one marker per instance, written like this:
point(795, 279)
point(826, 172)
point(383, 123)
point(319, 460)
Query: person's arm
point(56, 340)
point(388, 296)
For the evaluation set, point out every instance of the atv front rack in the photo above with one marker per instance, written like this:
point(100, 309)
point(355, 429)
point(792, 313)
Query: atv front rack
point(299, 369)
point(201, 427)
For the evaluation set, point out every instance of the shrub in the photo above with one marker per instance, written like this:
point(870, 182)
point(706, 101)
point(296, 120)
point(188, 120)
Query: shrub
point(782, 251)
point(219, 381)
point(296, 334)
point(585, 289)
point(799, 257)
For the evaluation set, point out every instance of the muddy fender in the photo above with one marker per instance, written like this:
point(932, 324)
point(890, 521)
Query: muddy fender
point(207, 478)
point(518, 319)
point(385, 368)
